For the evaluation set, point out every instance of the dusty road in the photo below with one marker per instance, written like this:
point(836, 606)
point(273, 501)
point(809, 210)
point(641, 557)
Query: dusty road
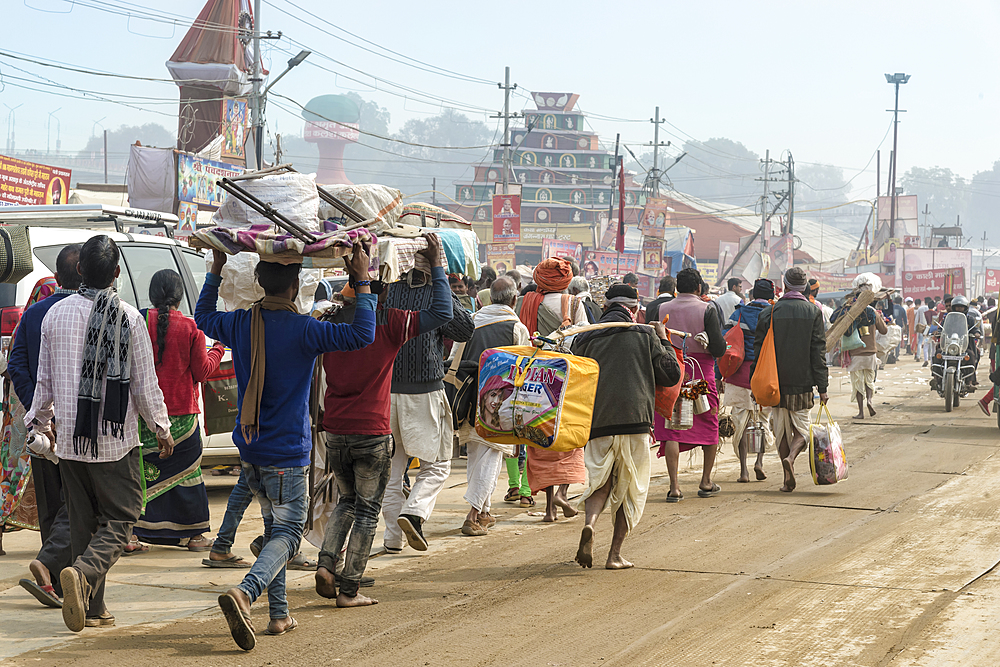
point(894, 566)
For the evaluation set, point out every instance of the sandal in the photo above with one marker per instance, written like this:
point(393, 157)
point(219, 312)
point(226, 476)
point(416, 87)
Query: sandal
point(133, 547)
point(202, 544)
point(234, 562)
point(513, 495)
point(527, 501)
point(300, 562)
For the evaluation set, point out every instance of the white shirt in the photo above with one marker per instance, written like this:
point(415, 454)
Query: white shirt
point(554, 301)
point(728, 303)
point(60, 357)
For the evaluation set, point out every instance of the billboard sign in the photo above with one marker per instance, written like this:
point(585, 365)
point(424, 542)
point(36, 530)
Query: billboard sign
point(28, 184)
point(500, 256)
point(566, 249)
point(235, 126)
point(196, 179)
point(506, 218)
point(652, 255)
point(605, 263)
point(992, 281)
point(923, 259)
point(934, 282)
point(655, 217)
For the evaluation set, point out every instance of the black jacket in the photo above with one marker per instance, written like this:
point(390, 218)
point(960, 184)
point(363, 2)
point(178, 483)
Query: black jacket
point(799, 344)
point(633, 363)
point(653, 308)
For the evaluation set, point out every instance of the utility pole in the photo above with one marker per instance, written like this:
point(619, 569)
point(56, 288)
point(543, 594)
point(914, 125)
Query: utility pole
point(878, 175)
point(506, 127)
point(255, 79)
point(927, 211)
point(984, 264)
point(105, 156)
point(764, 232)
point(895, 79)
point(654, 173)
point(791, 193)
point(434, 187)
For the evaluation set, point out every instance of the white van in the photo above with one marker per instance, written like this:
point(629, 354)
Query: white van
point(144, 238)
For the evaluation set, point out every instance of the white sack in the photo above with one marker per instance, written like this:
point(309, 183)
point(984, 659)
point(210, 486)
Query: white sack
point(377, 202)
point(293, 195)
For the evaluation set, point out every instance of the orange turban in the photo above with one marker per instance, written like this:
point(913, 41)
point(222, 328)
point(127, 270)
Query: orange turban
point(551, 275)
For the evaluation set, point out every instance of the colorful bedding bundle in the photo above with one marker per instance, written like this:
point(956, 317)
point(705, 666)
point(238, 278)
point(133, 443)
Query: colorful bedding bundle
point(278, 245)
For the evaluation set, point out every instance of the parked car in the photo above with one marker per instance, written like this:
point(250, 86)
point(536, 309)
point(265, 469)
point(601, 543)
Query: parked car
point(147, 246)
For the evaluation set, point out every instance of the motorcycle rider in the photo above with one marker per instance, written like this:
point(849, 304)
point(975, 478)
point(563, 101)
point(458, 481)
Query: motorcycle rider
point(959, 304)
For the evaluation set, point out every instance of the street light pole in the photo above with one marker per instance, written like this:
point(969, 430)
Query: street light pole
point(895, 79)
point(48, 131)
point(10, 126)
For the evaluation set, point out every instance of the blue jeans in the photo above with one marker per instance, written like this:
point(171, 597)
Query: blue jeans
point(361, 466)
point(283, 494)
point(239, 500)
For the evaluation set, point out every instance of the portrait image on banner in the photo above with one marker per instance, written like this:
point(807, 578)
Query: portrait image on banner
point(500, 256)
point(187, 216)
point(606, 263)
point(655, 217)
point(506, 218)
point(235, 123)
point(652, 254)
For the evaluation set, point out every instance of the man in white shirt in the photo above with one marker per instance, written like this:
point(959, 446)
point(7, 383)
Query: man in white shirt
point(732, 298)
point(96, 376)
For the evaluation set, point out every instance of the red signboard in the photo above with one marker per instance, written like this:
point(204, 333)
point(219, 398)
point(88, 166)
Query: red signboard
point(567, 249)
point(29, 184)
point(992, 280)
point(506, 218)
point(602, 263)
point(934, 282)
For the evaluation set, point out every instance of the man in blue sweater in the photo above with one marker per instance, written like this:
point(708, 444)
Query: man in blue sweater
point(53, 519)
point(274, 353)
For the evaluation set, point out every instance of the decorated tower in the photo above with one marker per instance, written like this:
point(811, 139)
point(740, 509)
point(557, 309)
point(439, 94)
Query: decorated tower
point(565, 176)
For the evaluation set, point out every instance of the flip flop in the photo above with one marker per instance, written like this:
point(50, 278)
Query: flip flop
point(702, 493)
point(674, 499)
point(239, 622)
point(291, 627)
point(44, 594)
point(234, 562)
point(300, 562)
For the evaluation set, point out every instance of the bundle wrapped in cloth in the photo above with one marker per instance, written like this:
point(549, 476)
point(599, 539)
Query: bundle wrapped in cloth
point(419, 214)
point(292, 193)
point(380, 205)
point(398, 248)
point(280, 246)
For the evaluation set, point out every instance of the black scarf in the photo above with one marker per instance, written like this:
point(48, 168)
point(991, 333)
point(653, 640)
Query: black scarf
point(107, 351)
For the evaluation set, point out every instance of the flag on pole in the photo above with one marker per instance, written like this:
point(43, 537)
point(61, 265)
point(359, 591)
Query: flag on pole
point(620, 241)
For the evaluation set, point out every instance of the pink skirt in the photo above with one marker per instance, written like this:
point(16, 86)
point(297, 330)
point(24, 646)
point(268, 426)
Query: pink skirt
point(706, 425)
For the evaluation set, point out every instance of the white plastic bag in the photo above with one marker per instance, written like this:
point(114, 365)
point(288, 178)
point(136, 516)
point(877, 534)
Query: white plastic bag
point(239, 288)
point(293, 195)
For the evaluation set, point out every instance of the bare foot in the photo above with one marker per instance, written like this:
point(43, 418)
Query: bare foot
point(358, 600)
point(568, 510)
point(743, 478)
point(40, 573)
point(860, 415)
point(871, 410)
point(617, 563)
point(789, 484)
point(758, 471)
point(585, 553)
point(326, 583)
point(550, 516)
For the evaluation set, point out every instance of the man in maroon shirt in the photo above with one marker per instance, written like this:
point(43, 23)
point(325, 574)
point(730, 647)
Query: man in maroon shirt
point(358, 436)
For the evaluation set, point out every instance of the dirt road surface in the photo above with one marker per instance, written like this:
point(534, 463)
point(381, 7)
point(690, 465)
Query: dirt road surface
point(894, 566)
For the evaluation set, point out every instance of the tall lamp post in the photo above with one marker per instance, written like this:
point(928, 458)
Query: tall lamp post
point(10, 126)
point(895, 79)
point(262, 100)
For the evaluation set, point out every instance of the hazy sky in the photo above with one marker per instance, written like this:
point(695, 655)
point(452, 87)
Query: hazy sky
point(806, 76)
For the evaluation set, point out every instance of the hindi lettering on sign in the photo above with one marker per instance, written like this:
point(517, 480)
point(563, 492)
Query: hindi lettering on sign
point(28, 184)
point(559, 248)
point(196, 179)
point(317, 130)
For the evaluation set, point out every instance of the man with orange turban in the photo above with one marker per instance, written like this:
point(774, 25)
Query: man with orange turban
point(545, 310)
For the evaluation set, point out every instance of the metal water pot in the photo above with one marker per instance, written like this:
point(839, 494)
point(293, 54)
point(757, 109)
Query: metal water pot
point(755, 437)
point(701, 404)
point(683, 417)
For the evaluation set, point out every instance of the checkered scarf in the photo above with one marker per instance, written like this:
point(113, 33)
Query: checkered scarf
point(107, 351)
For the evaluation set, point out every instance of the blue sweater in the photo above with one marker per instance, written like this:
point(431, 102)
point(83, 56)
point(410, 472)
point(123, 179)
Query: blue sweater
point(22, 364)
point(291, 344)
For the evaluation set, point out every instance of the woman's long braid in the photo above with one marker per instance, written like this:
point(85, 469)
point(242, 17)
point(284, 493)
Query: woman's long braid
point(165, 291)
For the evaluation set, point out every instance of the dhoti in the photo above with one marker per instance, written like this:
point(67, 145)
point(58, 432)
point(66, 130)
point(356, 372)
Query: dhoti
point(624, 460)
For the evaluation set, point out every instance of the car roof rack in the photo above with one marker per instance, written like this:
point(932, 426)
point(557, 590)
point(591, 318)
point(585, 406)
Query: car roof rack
point(86, 216)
